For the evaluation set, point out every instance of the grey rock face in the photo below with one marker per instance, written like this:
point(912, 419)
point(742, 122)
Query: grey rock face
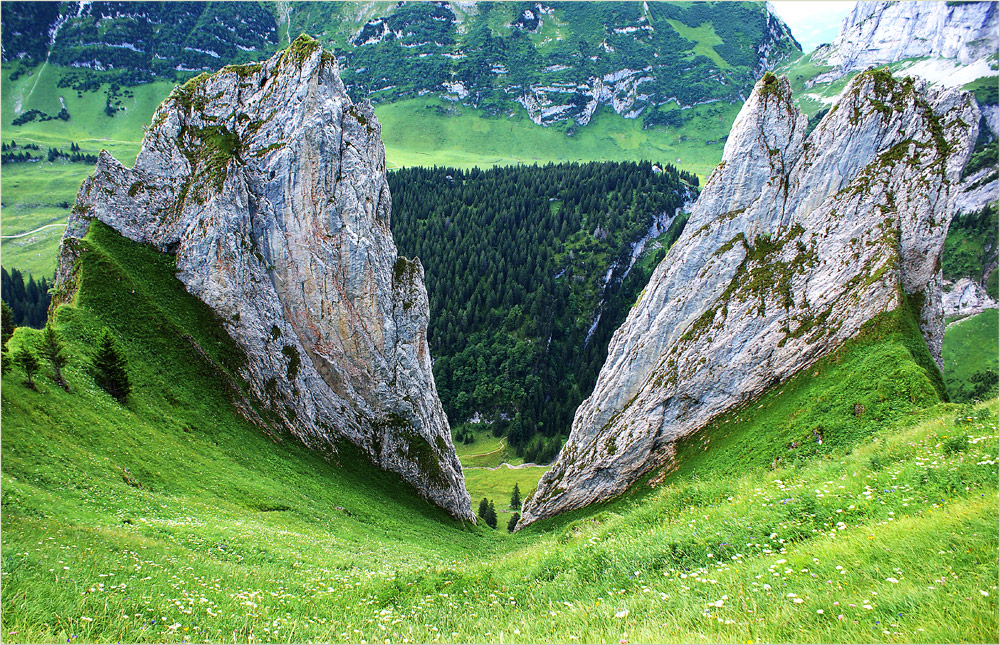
point(966, 298)
point(794, 243)
point(268, 185)
point(977, 190)
point(884, 32)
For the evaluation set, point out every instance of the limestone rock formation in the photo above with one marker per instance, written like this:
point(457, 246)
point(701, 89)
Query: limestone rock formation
point(267, 184)
point(794, 243)
point(885, 32)
point(966, 298)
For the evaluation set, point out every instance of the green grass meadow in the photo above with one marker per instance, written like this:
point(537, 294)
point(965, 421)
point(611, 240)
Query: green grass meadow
point(172, 518)
point(426, 132)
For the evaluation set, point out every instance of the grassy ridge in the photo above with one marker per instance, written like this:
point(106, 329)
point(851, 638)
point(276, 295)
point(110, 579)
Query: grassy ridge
point(218, 532)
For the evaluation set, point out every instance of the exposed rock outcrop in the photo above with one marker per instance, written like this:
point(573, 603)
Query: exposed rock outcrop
point(629, 92)
point(886, 32)
point(881, 32)
point(268, 185)
point(966, 298)
point(794, 244)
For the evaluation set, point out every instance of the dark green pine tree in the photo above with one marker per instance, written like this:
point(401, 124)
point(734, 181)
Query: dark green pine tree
point(28, 362)
point(484, 509)
point(110, 369)
point(7, 318)
point(491, 517)
point(515, 498)
point(53, 350)
point(512, 524)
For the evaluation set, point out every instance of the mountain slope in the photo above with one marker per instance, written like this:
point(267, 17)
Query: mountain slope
point(560, 62)
point(794, 244)
point(217, 533)
point(267, 184)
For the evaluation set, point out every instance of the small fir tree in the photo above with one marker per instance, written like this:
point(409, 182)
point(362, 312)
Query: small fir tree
point(28, 362)
point(484, 509)
point(53, 351)
point(515, 498)
point(512, 524)
point(491, 518)
point(110, 369)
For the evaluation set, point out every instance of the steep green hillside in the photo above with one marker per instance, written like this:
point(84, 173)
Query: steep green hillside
point(172, 518)
point(970, 356)
point(970, 251)
point(487, 55)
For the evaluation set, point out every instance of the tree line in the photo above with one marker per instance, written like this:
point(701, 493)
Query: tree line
point(108, 368)
point(19, 154)
point(29, 302)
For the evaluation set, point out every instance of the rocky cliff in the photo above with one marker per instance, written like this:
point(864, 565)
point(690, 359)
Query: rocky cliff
point(268, 186)
point(885, 32)
point(965, 298)
point(794, 243)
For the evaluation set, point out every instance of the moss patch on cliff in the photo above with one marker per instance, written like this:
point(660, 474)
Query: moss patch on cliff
point(300, 49)
point(210, 150)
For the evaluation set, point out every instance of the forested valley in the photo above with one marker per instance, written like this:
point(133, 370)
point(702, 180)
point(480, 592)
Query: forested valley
point(529, 271)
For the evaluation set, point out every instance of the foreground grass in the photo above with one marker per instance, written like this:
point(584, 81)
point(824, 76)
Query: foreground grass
point(173, 519)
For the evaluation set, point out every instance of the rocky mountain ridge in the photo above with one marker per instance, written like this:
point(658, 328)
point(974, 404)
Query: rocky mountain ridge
point(885, 32)
point(795, 242)
point(267, 184)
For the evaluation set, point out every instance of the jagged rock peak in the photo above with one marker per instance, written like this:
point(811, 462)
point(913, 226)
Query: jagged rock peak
point(885, 32)
point(268, 185)
point(793, 245)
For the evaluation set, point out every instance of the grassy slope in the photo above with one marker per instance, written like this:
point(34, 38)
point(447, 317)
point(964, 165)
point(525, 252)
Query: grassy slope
point(31, 192)
point(889, 527)
point(415, 135)
point(488, 474)
point(970, 346)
